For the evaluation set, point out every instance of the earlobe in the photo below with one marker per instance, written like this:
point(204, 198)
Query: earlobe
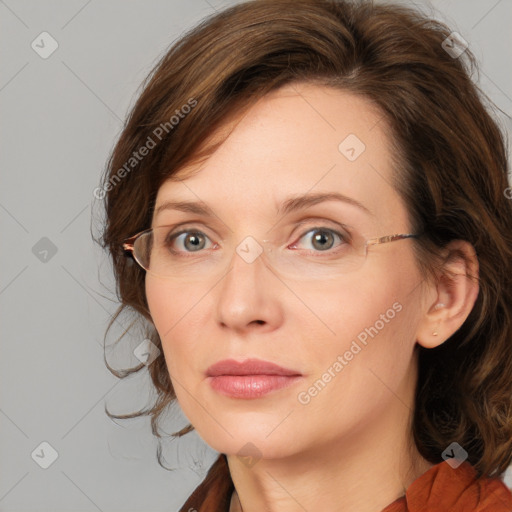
point(455, 294)
point(437, 306)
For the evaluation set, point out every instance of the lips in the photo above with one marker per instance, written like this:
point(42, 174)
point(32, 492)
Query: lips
point(248, 367)
point(250, 379)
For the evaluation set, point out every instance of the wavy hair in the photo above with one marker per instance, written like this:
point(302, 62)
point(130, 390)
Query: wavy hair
point(450, 170)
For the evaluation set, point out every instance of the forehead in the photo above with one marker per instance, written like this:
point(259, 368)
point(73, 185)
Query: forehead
point(301, 138)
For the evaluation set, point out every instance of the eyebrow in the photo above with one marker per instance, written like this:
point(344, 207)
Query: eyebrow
point(291, 204)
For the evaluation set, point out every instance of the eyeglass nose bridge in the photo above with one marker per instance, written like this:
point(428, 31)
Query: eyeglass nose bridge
point(249, 249)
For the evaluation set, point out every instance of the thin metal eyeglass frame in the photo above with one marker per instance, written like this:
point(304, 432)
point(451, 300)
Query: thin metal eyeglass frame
point(129, 243)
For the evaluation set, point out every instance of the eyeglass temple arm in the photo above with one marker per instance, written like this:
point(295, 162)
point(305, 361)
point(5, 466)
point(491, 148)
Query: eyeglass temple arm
point(389, 238)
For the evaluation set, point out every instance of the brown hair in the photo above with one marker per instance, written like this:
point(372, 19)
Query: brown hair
point(451, 171)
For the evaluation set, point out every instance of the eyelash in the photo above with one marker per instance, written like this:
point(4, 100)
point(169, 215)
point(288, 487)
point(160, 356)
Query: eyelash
point(344, 238)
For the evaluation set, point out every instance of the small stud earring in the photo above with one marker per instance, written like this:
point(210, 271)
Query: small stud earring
point(435, 333)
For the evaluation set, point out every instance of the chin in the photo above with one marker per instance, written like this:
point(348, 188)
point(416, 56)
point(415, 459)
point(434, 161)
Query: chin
point(247, 441)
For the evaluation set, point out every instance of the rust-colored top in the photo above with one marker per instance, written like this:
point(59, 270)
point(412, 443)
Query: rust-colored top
point(455, 490)
point(440, 489)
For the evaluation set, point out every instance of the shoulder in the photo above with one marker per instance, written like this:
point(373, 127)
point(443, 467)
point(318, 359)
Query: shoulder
point(494, 496)
point(444, 487)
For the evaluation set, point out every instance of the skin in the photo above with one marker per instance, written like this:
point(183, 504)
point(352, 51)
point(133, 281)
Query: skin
point(351, 444)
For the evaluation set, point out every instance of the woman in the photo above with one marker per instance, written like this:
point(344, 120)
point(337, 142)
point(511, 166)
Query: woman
point(307, 204)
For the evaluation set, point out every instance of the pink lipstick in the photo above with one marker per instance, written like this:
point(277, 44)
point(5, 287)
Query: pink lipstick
point(252, 378)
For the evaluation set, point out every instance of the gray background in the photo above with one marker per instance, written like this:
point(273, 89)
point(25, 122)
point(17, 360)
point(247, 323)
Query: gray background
point(60, 117)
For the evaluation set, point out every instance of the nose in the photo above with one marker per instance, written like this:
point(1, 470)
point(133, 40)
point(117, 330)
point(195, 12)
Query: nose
point(249, 295)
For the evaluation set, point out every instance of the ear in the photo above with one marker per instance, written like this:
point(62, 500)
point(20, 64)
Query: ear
point(451, 297)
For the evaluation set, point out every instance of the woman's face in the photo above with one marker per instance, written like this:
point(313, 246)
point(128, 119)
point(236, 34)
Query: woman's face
point(349, 336)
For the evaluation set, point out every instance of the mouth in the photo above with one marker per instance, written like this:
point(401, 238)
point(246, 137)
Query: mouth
point(252, 378)
point(248, 367)
point(250, 386)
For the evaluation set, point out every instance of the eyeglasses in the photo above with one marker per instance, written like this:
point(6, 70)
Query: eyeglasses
point(189, 255)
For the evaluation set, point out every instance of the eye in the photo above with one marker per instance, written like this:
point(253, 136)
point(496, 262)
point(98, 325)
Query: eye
point(324, 238)
point(187, 241)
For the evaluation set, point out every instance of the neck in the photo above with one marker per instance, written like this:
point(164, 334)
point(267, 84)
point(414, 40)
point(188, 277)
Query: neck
point(365, 469)
point(365, 484)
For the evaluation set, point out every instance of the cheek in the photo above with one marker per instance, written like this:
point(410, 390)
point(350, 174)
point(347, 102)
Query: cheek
point(340, 311)
point(369, 322)
point(365, 358)
point(172, 306)
point(160, 306)
point(175, 313)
